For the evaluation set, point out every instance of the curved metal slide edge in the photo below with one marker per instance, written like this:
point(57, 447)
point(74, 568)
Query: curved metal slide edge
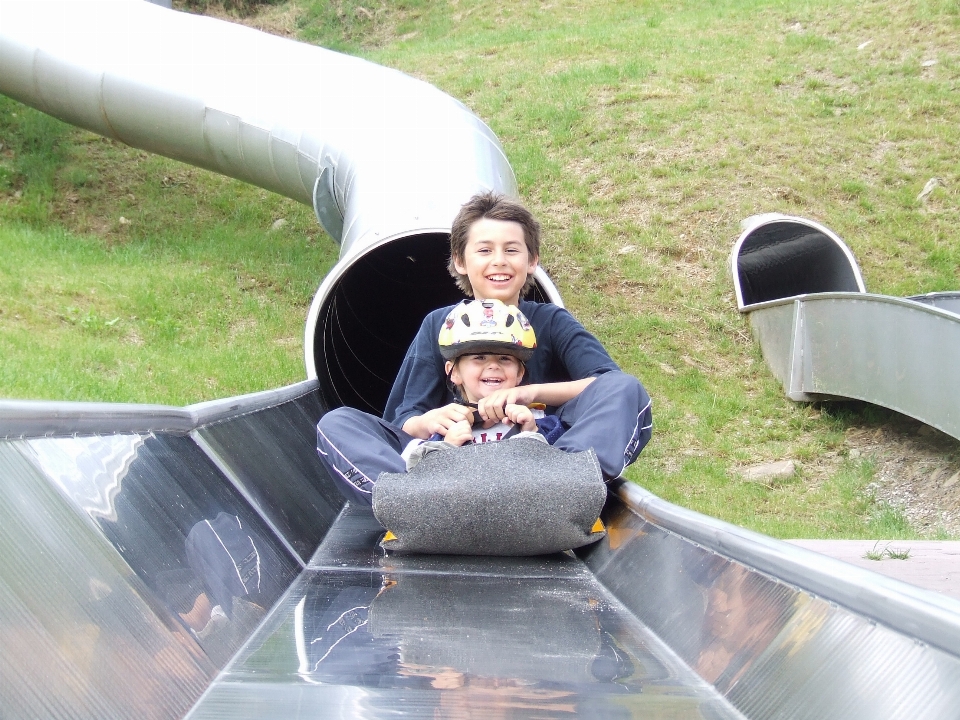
point(37, 418)
point(779, 256)
point(897, 353)
point(921, 614)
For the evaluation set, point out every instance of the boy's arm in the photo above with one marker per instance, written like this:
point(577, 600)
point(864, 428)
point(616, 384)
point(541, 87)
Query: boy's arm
point(493, 407)
point(566, 350)
point(576, 349)
point(439, 421)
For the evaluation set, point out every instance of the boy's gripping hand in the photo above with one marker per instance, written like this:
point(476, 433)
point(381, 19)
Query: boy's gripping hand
point(438, 421)
point(521, 415)
point(460, 434)
point(493, 408)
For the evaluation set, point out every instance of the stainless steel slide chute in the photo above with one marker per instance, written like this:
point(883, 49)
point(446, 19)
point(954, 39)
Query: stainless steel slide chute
point(117, 600)
point(824, 336)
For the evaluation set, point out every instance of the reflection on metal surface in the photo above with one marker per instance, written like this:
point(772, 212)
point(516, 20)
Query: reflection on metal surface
point(90, 469)
point(82, 635)
point(270, 455)
point(446, 645)
point(181, 528)
point(771, 648)
point(129, 556)
point(354, 542)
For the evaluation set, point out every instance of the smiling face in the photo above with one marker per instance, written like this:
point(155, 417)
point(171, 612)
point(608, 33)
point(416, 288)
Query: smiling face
point(478, 376)
point(496, 260)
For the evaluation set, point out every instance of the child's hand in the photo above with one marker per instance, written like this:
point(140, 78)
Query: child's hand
point(522, 416)
point(493, 408)
point(460, 434)
point(438, 421)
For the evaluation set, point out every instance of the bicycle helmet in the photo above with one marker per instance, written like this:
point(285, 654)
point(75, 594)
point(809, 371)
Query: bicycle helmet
point(486, 326)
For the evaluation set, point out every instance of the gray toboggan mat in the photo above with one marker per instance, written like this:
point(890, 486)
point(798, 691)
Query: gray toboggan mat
point(515, 497)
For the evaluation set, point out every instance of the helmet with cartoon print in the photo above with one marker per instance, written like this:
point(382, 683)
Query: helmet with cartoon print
point(486, 326)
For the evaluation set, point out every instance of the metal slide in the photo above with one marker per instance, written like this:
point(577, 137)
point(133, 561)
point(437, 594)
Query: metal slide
point(108, 594)
point(825, 337)
point(161, 562)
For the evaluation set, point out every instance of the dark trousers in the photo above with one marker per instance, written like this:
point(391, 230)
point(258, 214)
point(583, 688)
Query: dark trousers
point(612, 416)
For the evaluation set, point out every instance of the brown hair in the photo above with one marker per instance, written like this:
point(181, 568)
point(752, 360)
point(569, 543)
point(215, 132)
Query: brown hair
point(492, 206)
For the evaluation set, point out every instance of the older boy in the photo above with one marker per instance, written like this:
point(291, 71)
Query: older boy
point(495, 249)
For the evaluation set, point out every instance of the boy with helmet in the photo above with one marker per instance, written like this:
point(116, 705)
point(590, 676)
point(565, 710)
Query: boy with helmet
point(494, 249)
point(485, 344)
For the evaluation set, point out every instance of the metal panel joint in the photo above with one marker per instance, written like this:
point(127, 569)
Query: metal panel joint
point(325, 204)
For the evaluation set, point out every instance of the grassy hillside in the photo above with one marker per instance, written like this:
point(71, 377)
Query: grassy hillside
point(641, 133)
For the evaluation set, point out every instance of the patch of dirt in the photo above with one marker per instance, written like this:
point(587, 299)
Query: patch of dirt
point(96, 190)
point(917, 471)
point(241, 327)
point(279, 20)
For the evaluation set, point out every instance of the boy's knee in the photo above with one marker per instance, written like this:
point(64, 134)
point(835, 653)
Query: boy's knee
point(621, 387)
point(339, 421)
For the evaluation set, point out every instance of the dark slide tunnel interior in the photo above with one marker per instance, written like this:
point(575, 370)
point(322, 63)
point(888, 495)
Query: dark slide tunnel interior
point(366, 324)
point(784, 259)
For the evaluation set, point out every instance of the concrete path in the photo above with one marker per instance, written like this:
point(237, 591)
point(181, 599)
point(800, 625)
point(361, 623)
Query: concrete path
point(932, 564)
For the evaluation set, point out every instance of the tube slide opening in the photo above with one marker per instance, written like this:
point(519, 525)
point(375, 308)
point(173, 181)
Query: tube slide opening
point(788, 256)
point(370, 316)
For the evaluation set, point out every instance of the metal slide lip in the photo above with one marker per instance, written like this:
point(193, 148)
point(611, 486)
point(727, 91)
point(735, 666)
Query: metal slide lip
point(913, 302)
point(948, 300)
point(39, 418)
point(922, 614)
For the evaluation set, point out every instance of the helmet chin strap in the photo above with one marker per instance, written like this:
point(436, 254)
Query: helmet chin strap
point(455, 390)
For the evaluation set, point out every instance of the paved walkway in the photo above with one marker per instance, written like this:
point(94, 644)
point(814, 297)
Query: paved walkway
point(932, 564)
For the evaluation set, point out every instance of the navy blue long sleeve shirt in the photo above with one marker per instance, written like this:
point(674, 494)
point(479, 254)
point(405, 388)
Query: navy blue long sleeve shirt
point(565, 351)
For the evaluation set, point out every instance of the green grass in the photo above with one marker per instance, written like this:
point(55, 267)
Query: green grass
point(878, 553)
point(130, 278)
point(641, 133)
